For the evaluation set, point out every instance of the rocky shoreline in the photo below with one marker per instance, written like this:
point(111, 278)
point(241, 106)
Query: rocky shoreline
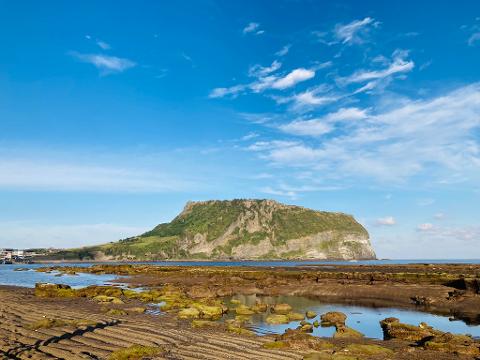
point(191, 299)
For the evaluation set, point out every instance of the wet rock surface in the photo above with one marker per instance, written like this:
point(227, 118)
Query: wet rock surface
point(194, 324)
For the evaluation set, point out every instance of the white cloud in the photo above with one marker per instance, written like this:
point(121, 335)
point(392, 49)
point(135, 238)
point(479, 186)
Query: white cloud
point(425, 227)
point(398, 65)
point(103, 45)
point(313, 127)
point(293, 78)
point(107, 64)
point(309, 99)
point(432, 137)
point(455, 236)
point(222, 92)
point(323, 125)
point(271, 191)
point(269, 145)
point(249, 136)
point(354, 32)
point(23, 234)
point(265, 79)
point(259, 71)
point(439, 216)
point(386, 221)
point(252, 27)
point(474, 39)
point(283, 51)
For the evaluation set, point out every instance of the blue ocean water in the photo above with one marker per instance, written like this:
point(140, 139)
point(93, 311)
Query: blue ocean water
point(28, 278)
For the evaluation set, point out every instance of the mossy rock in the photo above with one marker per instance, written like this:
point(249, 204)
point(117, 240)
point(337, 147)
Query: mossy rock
point(108, 299)
point(310, 314)
point(189, 313)
point(275, 345)
point(204, 324)
point(136, 352)
point(243, 318)
point(277, 319)
point(239, 330)
point(116, 312)
point(365, 349)
point(333, 318)
point(244, 310)
point(343, 332)
point(54, 290)
point(209, 312)
point(281, 309)
point(293, 316)
point(306, 328)
point(260, 307)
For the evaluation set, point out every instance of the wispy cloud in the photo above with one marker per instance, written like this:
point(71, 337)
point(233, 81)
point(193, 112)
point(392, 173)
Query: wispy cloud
point(294, 77)
point(386, 221)
point(103, 45)
point(354, 32)
point(399, 64)
point(464, 234)
point(474, 39)
point(266, 78)
point(284, 50)
point(253, 27)
point(433, 136)
point(425, 227)
point(105, 63)
point(323, 125)
point(309, 99)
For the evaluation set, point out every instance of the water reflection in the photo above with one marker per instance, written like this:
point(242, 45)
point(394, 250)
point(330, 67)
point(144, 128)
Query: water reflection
point(361, 318)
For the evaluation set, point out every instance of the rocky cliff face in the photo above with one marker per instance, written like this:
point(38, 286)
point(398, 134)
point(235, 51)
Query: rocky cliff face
point(247, 229)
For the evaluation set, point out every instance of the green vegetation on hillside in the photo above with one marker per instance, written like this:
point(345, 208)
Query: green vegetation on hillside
point(232, 224)
point(212, 218)
point(297, 222)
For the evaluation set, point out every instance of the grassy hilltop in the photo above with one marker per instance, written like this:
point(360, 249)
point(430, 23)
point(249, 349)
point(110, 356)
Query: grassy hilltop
point(241, 229)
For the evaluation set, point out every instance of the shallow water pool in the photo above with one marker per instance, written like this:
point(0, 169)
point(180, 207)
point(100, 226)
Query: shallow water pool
point(361, 318)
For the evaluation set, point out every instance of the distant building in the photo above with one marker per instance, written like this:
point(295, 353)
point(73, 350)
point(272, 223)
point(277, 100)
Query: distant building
point(9, 256)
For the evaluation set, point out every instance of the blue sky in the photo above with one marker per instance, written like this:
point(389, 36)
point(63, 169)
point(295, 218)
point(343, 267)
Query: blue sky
point(114, 114)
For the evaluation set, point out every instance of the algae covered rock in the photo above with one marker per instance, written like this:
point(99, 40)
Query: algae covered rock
point(343, 332)
point(368, 350)
point(108, 299)
point(136, 352)
point(333, 318)
point(260, 307)
point(189, 313)
point(276, 319)
point(299, 340)
point(453, 344)
point(394, 329)
point(281, 309)
point(244, 310)
point(306, 328)
point(310, 314)
point(53, 290)
point(293, 316)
